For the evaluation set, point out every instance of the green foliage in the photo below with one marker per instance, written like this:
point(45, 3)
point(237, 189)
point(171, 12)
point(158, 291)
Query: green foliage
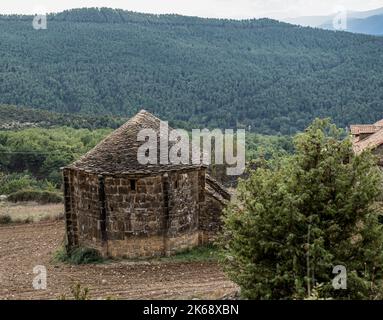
point(41, 152)
point(257, 147)
point(49, 186)
point(22, 187)
point(16, 181)
point(273, 76)
point(78, 256)
point(61, 255)
point(268, 147)
point(40, 196)
point(295, 221)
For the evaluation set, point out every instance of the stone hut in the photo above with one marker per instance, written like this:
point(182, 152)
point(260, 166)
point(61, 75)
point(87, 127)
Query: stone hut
point(368, 136)
point(125, 209)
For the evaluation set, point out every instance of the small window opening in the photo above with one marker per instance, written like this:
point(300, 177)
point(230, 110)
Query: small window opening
point(133, 185)
point(176, 184)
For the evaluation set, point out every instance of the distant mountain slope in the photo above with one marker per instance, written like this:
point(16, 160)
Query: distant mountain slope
point(365, 14)
point(320, 21)
point(310, 21)
point(273, 76)
point(372, 25)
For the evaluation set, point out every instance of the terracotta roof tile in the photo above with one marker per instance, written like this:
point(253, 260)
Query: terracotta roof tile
point(364, 128)
point(371, 142)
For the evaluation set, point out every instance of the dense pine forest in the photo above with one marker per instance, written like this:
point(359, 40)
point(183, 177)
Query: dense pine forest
point(272, 76)
point(12, 118)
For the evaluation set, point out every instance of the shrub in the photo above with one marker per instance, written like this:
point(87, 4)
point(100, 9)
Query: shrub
point(85, 255)
point(23, 220)
point(14, 182)
point(5, 219)
point(81, 255)
point(292, 224)
point(78, 293)
point(61, 255)
point(40, 196)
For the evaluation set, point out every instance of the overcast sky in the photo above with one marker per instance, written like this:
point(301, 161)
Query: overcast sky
point(236, 9)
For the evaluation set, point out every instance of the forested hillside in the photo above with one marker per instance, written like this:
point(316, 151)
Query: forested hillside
point(39, 153)
point(12, 117)
point(273, 76)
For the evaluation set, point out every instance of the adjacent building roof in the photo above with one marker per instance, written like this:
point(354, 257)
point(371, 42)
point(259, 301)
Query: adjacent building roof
point(373, 141)
point(364, 128)
point(117, 153)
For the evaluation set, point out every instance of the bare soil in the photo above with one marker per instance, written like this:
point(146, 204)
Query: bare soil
point(24, 246)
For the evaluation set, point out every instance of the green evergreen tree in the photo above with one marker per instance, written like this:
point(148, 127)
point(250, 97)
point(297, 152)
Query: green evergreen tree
point(293, 223)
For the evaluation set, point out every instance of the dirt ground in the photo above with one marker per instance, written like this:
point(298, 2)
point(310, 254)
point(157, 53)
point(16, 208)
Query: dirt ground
point(24, 246)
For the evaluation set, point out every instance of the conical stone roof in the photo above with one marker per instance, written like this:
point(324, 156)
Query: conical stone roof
point(117, 153)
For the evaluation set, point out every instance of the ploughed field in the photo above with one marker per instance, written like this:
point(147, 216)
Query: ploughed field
point(24, 246)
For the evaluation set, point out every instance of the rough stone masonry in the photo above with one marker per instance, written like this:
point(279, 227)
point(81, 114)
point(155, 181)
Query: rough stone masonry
point(125, 209)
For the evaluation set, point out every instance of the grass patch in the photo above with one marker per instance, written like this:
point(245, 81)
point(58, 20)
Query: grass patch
point(23, 220)
point(83, 255)
point(78, 256)
point(7, 219)
point(29, 212)
point(202, 253)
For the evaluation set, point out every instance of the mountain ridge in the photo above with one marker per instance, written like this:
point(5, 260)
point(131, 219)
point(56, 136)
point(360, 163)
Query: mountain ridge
point(272, 76)
point(365, 22)
point(372, 25)
point(107, 15)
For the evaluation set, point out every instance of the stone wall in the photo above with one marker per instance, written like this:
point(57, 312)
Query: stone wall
point(184, 202)
point(134, 216)
point(216, 199)
point(82, 209)
point(183, 212)
point(210, 219)
point(135, 207)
